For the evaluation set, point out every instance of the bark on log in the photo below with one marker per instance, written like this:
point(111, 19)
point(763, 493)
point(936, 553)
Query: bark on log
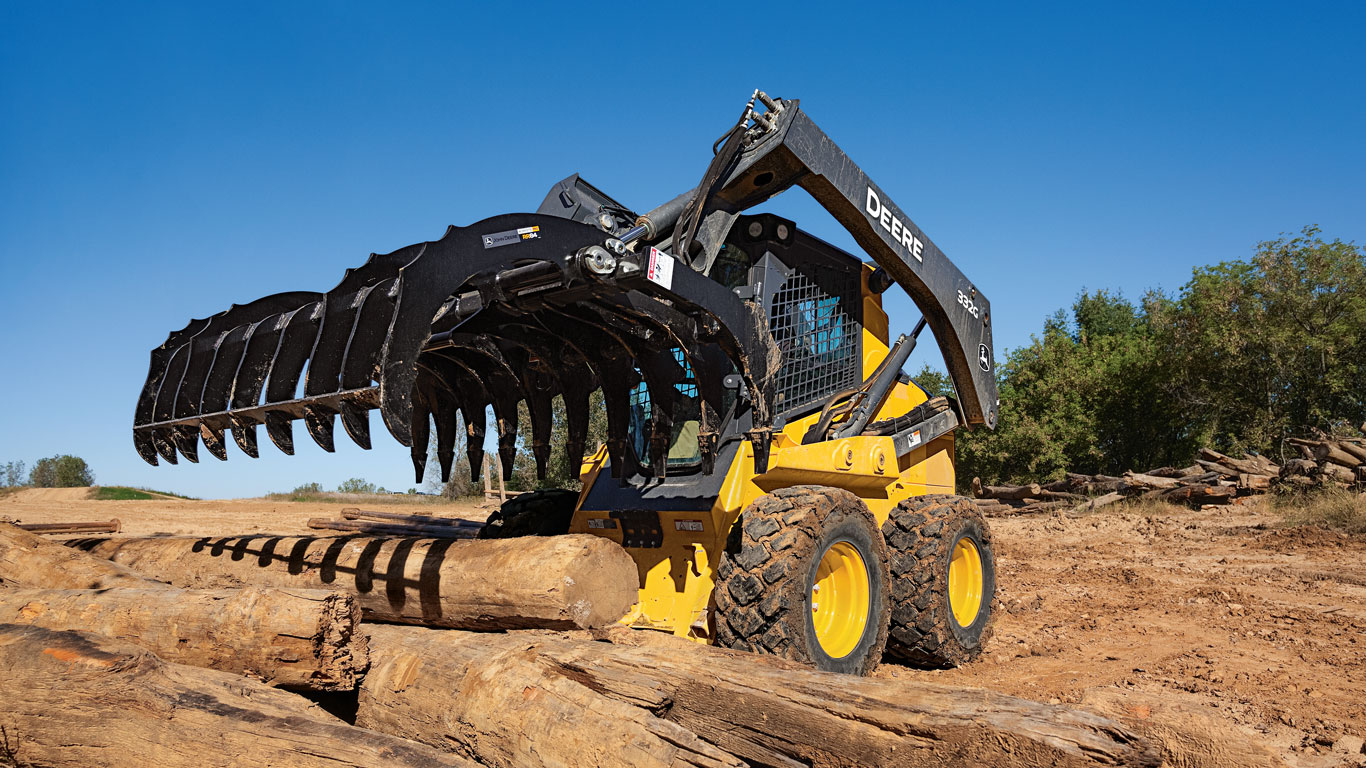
point(980, 491)
point(1100, 501)
point(1298, 468)
point(550, 582)
point(1259, 483)
point(1326, 451)
point(113, 526)
point(1222, 470)
point(1189, 737)
point(1195, 494)
point(77, 699)
point(292, 639)
point(1251, 465)
point(1356, 451)
point(1137, 481)
point(511, 696)
point(29, 560)
point(1337, 473)
point(393, 529)
point(353, 513)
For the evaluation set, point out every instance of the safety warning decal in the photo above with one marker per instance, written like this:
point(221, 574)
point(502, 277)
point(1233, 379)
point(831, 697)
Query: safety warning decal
point(511, 236)
point(688, 525)
point(661, 268)
point(601, 522)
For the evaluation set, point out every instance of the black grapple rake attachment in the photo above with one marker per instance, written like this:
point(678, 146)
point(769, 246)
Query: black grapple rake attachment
point(581, 295)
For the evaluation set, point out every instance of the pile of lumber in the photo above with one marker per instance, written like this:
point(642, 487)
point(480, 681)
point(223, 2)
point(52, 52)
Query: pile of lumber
point(1213, 479)
point(218, 662)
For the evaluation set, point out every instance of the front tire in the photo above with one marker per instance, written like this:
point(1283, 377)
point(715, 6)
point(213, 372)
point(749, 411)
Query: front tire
point(546, 512)
point(805, 577)
point(943, 581)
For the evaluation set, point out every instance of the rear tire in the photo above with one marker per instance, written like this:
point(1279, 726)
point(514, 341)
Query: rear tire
point(546, 512)
point(943, 581)
point(785, 545)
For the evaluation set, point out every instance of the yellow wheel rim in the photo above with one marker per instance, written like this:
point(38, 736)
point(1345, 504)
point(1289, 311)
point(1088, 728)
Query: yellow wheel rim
point(840, 599)
point(965, 582)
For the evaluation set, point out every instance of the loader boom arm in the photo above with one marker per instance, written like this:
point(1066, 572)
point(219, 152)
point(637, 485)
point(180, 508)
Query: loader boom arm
point(788, 150)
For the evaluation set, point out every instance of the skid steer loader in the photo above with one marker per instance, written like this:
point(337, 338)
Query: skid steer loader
point(782, 485)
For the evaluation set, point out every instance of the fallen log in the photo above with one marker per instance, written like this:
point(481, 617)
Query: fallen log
point(393, 529)
point(77, 699)
point(112, 526)
point(1195, 495)
point(505, 698)
point(1138, 481)
point(1300, 467)
point(1100, 501)
point(1258, 483)
point(1251, 465)
point(353, 513)
point(1356, 451)
point(1016, 492)
point(550, 582)
point(1326, 451)
point(1337, 473)
point(27, 559)
point(1216, 467)
point(304, 639)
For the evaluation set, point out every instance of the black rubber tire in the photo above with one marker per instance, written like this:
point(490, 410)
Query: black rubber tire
point(921, 533)
point(546, 512)
point(764, 577)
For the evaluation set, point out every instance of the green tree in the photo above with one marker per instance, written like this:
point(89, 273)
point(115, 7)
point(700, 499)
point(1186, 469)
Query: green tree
point(356, 485)
point(64, 471)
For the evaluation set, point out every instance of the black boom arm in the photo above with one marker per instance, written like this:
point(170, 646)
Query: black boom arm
point(768, 153)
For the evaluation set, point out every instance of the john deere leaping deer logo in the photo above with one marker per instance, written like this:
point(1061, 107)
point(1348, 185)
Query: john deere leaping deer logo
point(984, 357)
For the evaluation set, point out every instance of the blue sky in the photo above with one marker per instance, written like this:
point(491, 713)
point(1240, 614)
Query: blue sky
point(162, 161)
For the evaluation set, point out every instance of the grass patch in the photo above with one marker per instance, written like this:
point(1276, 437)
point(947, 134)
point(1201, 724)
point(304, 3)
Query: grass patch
point(331, 497)
point(124, 493)
point(10, 490)
point(1332, 508)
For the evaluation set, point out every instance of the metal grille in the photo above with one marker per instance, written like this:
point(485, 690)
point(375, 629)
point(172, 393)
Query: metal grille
point(819, 342)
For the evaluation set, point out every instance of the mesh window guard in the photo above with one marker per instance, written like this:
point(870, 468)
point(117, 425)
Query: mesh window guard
point(819, 342)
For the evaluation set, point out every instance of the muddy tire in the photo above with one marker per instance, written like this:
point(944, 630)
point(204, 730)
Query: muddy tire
point(782, 551)
point(539, 513)
point(943, 581)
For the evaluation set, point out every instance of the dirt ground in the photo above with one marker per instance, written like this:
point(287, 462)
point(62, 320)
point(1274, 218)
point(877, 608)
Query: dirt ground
point(1260, 626)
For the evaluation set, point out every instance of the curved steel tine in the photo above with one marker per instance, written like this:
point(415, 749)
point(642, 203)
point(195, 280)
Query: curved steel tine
point(484, 360)
point(279, 425)
point(421, 424)
point(465, 397)
point(142, 441)
point(356, 421)
point(296, 344)
point(321, 424)
point(539, 386)
point(244, 433)
point(161, 440)
point(186, 440)
point(213, 440)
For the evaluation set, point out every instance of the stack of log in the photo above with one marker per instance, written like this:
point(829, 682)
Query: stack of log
point(1327, 461)
point(1213, 479)
point(102, 664)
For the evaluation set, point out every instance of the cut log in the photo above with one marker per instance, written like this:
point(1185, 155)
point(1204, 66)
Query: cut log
point(1257, 483)
point(1325, 451)
point(352, 513)
point(1337, 473)
point(27, 559)
point(76, 699)
point(549, 582)
point(1195, 495)
point(1094, 485)
point(1029, 491)
point(393, 529)
point(304, 639)
point(1214, 466)
point(1047, 495)
point(1100, 501)
point(1252, 465)
point(1356, 451)
point(1135, 482)
point(505, 698)
point(1205, 478)
point(112, 526)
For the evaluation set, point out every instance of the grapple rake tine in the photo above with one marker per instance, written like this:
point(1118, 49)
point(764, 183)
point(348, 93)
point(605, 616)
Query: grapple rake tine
point(321, 424)
point(244, 433)
point(213, 441)
point(356, 421)
point(279, 425)
point(484, 360)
